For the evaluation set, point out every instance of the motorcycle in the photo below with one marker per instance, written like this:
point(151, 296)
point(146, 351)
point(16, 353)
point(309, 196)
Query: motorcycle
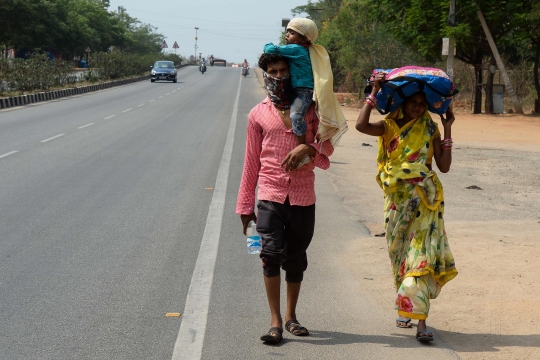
point(202, 68)
point(245, 70)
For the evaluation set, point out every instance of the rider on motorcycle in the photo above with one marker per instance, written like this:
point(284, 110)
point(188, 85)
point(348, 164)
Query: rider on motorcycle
point(202, 66)
point(245, 65)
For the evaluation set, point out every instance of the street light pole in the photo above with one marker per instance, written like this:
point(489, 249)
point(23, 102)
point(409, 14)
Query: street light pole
point(196, 28)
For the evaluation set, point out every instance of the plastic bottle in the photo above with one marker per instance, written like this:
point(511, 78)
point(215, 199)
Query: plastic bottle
point(253, 239)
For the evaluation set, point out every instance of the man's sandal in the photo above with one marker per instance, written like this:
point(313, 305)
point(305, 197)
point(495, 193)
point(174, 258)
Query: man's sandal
point(273, 336)
point(424, 336)
point(293, 326)
point(403, 322)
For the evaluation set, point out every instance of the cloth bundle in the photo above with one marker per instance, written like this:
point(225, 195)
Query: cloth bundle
point(405, 81)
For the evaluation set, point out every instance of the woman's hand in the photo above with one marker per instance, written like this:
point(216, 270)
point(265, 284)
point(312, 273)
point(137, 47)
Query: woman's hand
point(380, 77)
point(449, 120)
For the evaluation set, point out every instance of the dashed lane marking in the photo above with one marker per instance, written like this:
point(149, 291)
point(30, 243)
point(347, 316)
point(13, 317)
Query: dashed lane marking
point(52, 138)
point(7, 154)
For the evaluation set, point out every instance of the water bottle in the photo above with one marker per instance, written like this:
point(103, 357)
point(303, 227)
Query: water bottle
point(253, 239)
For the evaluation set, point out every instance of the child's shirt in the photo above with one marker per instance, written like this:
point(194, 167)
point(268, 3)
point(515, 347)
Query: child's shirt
point(299, 63)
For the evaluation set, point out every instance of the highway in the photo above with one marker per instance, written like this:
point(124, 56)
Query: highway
point(106, 199)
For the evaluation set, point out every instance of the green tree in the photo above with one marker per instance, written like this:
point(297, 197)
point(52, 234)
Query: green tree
point(421, 24)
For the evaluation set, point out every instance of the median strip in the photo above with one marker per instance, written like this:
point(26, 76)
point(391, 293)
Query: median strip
point(52, 138)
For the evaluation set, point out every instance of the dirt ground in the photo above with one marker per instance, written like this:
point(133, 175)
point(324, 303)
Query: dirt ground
point(491, 310)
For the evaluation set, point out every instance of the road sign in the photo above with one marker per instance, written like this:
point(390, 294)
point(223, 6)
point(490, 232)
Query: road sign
point(87, 49)
point(175, 46)
point(164, 45)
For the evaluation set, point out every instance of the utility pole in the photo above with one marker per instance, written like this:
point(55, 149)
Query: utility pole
point(451, 41)
point(500, 65)
point(196, 28)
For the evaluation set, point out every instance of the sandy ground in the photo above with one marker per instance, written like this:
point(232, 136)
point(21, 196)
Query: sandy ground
point(492, 309)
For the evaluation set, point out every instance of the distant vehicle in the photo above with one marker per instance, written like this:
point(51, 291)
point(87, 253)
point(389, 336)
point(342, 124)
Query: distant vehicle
point(163, 70)
point(220, 62)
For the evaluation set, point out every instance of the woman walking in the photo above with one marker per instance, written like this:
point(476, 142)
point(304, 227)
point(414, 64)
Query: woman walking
point(413, 202)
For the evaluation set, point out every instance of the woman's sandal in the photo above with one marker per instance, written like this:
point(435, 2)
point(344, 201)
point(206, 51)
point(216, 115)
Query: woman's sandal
point(293, 326)
point(424, 336)
point(403, 322)
point(273, 336)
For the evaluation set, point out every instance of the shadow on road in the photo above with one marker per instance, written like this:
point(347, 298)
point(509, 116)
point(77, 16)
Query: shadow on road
point(467, 342)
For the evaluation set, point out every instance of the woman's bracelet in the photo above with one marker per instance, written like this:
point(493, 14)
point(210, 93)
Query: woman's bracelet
point(369, 102)
point(447, 143)
point(372, 98)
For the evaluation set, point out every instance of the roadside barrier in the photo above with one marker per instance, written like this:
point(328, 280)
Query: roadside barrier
point(21, 100)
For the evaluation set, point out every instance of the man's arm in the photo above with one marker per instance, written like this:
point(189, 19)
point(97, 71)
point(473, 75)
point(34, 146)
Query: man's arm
point(245, 203)
point(323, 150)
point(319, 152)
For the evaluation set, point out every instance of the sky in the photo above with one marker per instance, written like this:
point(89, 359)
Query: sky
point(233, 30)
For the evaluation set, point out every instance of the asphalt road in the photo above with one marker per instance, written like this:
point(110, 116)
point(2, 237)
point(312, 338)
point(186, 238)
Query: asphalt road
point(106, 199)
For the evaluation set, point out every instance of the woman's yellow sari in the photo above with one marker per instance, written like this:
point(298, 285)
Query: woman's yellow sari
point(413, 211)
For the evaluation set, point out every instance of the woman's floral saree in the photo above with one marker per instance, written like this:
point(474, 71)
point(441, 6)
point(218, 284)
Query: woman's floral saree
point(413, 211)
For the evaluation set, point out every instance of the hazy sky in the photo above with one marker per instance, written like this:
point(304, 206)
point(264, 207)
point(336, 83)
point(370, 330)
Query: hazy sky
point(228, 29)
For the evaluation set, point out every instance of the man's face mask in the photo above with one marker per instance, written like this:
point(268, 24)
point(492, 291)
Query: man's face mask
point(279, 90)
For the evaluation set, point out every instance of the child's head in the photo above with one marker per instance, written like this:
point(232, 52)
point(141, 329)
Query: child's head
point(301, 31)
point(293, 37)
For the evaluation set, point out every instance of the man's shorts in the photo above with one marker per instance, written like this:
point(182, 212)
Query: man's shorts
point(286, 232)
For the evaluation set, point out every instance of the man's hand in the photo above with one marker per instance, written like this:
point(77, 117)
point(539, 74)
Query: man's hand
point(246, 219)
point(295, 157)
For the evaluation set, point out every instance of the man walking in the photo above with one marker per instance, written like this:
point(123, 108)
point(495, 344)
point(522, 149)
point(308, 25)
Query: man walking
point(284, 174)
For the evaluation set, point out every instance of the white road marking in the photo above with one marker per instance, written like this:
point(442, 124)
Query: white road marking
point(189, 342)
point(140, 105)
point(167, 94)
point(82, 127)
point(52, 138)
point(108, 117)
point(160, 97)
point(127, 110)
point(152, 100)
point(7, 154)
point(174, 91)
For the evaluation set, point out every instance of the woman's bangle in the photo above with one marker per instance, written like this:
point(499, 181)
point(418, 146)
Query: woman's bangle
point(372, 98)
point(369, 102)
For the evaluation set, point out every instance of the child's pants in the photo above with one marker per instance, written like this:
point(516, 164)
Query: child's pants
point(299, 108)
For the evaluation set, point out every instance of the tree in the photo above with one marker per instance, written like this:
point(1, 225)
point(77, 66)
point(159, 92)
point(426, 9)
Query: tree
point(359, 45)
point(422, 23)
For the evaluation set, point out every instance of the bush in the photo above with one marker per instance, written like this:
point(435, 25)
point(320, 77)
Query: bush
point(37, 72)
